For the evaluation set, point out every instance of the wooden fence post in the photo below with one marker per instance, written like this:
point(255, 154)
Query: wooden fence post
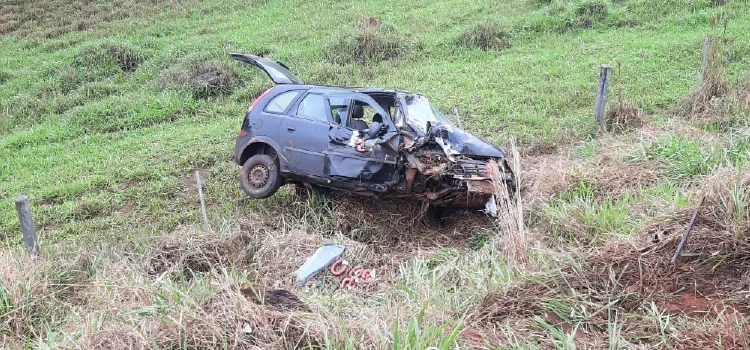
point(706, 49)
point(203, 201)
point(601, 98)
point(27, 225)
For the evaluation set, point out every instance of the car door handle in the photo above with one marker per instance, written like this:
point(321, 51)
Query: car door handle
point(290, 128)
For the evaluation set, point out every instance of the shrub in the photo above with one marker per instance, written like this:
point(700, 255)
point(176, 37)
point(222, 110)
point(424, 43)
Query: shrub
point(486, 36)
point(368, 45)
point(588, 13)
point(564, 17)
point(702, 101)
point(109, 57)
point(203, 79)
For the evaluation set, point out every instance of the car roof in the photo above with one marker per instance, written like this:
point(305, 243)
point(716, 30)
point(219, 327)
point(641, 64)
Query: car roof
point(334, 89)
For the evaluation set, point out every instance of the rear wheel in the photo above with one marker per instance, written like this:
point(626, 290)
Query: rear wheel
point(260, 176)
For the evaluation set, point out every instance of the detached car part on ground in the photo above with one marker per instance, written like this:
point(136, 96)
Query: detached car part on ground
point(370, 142)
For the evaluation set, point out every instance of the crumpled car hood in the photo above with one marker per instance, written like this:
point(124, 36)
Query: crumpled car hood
point(455, 141)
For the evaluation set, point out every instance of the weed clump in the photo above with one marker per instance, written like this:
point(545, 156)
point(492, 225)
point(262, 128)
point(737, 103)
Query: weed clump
point(588, 13)
point(488, 36)
point(701, 102)
point(110, 57)
point(4, 76)
point(639, 278)
point(369, 44)
point(541, 2)
point(31, 293)
point(623, 116)
point(97, 63)
point(202, 79)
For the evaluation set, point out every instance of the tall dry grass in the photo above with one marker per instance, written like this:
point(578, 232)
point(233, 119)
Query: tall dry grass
point(513, 237)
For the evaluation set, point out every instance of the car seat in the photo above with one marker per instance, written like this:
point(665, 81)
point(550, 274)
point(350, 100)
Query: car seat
point(357, 123)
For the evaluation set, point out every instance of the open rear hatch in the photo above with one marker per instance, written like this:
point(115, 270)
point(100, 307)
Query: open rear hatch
point(277, 71)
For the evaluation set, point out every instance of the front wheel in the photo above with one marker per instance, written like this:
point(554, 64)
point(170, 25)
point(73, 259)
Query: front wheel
point(260, 176)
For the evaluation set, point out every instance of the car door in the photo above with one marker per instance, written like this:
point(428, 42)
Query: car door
point(304, 135)
point(378, 164)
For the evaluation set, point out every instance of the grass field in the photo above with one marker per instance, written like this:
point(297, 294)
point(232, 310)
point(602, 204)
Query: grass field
point(103, 124)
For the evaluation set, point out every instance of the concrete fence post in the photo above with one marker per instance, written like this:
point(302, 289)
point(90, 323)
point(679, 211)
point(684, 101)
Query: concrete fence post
point(27, 225)
point(601, 98)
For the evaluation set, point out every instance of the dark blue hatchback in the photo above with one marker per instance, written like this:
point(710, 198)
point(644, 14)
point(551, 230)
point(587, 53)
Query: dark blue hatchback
point(371, 142)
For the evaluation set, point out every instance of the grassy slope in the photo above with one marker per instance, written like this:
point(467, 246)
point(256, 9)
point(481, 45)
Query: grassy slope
point(111, 154)
point(539, 90)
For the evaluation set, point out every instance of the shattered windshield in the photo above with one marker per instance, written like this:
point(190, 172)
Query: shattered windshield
point(420, 111)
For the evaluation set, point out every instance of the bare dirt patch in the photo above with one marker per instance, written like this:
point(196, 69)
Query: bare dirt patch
point(127, 209)
point(403, 225)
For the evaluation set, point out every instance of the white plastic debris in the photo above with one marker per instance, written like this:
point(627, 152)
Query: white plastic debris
point(491, 206)
point(322, 258)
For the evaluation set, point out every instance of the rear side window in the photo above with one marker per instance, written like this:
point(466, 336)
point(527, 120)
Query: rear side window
point(279, 103)
point(313, 106)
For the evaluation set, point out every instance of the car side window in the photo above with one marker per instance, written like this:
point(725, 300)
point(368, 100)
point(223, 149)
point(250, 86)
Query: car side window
point(362, 116)
point(339, 108)
point(313, 106)
point(280, 103)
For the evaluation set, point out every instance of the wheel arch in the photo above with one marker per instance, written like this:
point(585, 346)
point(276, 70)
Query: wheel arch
point(259, 146)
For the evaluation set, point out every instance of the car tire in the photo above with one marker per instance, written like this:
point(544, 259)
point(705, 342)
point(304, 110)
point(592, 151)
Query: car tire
point(260, 176)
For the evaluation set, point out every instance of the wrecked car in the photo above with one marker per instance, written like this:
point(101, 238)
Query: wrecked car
point(370, 142)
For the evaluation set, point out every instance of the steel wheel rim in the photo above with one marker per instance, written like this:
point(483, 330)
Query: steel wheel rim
point(258, 176)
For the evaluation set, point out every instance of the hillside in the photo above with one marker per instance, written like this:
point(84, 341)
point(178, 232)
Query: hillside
point(104, 120)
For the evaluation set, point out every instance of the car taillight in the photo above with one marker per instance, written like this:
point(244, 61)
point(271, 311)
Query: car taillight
point(242, 132)
point(257, 99)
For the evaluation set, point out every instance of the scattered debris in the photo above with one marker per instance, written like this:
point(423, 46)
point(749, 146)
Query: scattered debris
point(338, 272)
point(356, 277)
point(323, 257)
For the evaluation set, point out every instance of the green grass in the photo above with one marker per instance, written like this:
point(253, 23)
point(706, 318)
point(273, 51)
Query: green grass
point(102, 98)
point(103, 125)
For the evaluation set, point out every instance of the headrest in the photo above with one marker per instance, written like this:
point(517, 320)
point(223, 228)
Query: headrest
point(357, 112)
